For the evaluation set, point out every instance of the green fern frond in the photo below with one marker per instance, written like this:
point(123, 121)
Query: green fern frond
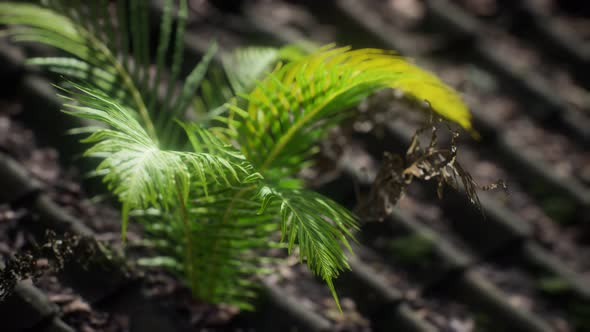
point(231, 246)
point(83, 72)
point(245, 66)
point(76, 33)
point(319, 226)
point(113, 63)
point(225, 255)
point(140, 173)
point(291, 109)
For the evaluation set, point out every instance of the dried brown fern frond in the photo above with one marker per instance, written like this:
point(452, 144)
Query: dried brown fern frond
point(431, 162)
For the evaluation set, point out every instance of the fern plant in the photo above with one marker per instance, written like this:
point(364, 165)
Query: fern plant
point(211, 192)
